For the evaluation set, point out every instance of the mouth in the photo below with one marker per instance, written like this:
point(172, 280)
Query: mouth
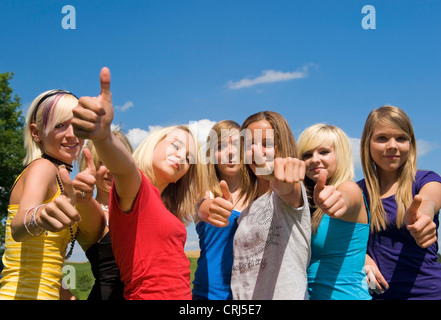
point(70, 146)
point(393, 157)
point(173, 164)
point(316, 169)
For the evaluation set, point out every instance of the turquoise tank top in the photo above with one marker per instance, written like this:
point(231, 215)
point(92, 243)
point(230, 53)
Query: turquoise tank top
point(338, 253)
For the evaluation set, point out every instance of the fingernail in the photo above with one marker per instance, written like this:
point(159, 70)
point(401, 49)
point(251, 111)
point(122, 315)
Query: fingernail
point(61, 167)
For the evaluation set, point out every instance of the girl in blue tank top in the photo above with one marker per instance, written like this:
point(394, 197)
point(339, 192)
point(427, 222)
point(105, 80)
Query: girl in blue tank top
point(339, 218)
point(216, 217)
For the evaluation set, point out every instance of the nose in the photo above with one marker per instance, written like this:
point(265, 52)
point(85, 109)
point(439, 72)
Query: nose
point(391, 144)
point(70, 131)
point(315, 158)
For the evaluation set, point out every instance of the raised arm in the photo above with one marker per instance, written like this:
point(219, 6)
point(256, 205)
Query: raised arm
point(92, 120)
point(419, 215)
point(288, 174)
point(343, 202)
point(218, 210)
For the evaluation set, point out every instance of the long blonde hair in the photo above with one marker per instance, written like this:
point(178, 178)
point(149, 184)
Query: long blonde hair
point(46, 111)
point(212, 146)
point(180, 197)
point(311, 138)
point(395, 118)
point(284, 145)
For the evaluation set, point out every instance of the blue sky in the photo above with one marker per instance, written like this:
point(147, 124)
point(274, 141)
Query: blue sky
point(177, 61)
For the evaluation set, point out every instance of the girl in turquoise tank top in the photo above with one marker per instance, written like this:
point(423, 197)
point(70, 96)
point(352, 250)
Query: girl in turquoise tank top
point(339, 218)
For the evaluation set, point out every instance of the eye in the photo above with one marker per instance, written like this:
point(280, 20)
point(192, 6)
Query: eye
point(402, 139)
point(60, 125)
point(381, 138)
point(268, 144)
point(175, 146)
point(324, 152)
point(307, 155)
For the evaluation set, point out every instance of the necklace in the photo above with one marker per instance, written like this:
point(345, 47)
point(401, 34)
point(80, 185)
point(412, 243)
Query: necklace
point(58, 162)
point(69, 167)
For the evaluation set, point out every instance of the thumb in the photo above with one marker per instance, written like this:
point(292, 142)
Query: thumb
point(68, 189)
point(259, 159)
point(89, 161)
point(226, 191)
point(105, 83)
point(321, 181)
point(411, 212)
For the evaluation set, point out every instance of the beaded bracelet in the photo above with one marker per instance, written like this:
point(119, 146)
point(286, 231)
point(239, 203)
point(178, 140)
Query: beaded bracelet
point(32, 223)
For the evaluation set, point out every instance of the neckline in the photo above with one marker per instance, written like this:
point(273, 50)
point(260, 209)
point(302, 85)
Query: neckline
point(57, 161)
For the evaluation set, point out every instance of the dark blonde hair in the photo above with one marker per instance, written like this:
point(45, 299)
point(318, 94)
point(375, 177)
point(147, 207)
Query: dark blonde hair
point(395, 118)
point(284, 146)
point(212, 145)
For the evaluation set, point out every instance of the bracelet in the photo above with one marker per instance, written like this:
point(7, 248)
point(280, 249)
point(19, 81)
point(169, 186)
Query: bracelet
point(32, 223)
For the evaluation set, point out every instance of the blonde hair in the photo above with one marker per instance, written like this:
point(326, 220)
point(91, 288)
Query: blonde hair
point(395, 118)
point(212, 146)
point(311, 138)
point(96, 160)
point(54, 107)
point(180, 197)
point(284, 146)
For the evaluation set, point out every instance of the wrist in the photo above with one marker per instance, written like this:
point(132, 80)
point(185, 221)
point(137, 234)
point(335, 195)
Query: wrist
point(30, 222)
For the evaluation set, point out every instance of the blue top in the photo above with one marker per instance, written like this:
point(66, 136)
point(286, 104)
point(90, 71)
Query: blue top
point(412, 272)
point(338, 253)
point(212, 277)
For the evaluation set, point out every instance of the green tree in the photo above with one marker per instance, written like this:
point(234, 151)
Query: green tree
point(12, 149)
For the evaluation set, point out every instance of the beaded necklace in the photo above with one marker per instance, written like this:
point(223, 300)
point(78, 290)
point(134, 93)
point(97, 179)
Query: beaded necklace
point(56, 161)
point(69, 167)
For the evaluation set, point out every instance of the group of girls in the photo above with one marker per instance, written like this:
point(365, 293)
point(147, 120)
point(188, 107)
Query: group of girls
point(276, 218)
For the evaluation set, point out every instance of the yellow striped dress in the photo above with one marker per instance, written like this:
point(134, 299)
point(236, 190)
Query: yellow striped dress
point(33, 268)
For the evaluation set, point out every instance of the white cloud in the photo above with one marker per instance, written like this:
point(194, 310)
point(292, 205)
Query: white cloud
point(424, 147)
point(355, 148)
point(127, 105)
point(201, 128)
point(268, 76)
point(137, 135)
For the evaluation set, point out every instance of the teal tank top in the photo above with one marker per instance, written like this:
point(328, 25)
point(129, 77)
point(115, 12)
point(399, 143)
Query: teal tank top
point(338, 253)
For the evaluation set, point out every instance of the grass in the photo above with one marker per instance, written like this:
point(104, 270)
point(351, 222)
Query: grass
point(85, 278)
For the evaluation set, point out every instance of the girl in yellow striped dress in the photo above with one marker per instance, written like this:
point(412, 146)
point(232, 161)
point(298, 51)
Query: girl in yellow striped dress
point(42, 219)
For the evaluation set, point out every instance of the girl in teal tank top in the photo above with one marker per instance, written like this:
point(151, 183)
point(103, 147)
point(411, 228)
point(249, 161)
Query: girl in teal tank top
point(339, 216)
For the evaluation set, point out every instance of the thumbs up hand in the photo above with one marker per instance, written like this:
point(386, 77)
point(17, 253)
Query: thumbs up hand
point(421, 227)
point(84, 182)
point(220, 209)
point(60, 213)
point(93, 115)
point(328, 198)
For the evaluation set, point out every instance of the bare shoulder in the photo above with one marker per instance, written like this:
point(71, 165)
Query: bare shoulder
point(350, 187)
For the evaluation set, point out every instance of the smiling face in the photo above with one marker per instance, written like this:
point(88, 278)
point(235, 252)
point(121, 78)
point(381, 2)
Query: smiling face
point(389, 147)
point(321, 158)
point(60, 142)
point(172, 157)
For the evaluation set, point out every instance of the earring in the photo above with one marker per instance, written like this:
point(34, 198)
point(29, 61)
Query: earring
point(36, 139)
